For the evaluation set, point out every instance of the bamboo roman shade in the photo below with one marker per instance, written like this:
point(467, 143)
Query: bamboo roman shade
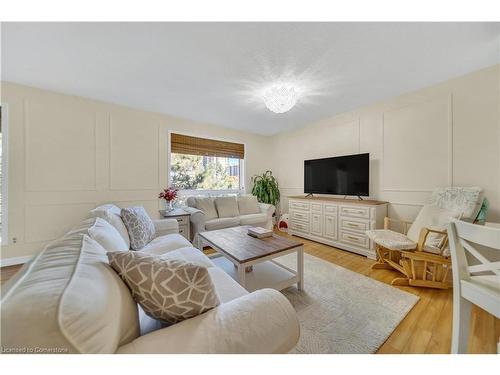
point(184, 144)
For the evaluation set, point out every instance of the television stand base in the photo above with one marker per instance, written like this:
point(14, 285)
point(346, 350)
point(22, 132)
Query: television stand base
point(309, 195)
point(359, 197)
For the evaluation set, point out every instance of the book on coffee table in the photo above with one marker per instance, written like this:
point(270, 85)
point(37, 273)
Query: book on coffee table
point(259, 232)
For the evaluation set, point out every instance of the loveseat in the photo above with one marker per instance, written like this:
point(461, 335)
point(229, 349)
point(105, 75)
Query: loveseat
point(68, 299)
point(212, 213)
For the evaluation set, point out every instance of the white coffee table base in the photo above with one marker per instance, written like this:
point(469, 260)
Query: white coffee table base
point(266, 273)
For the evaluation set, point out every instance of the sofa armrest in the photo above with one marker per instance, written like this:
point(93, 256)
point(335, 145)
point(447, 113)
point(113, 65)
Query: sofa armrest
point(260, 322)
point(197, 218)
point(165, 226)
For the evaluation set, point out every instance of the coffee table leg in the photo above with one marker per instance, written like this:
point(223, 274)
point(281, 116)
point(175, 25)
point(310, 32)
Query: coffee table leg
point(300, 268)
point(241, 274)
point(200, 243)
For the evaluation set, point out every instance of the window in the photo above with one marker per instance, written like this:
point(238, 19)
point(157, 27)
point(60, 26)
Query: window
point(205, 164)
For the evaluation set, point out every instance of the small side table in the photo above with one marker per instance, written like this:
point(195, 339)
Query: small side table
point(182, 217)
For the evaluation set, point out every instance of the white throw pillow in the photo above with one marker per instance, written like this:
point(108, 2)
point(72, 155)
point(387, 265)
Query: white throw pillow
point(248, 204)
point(431, 216)
point(107, 236)
point(207, 206)
point(227, 206)
point(111, 214)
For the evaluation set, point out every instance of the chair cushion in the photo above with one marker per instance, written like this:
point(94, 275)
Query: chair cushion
point(221, 223)
point(163, 244)
point(111, 214)
point(107, 236)
point(207, 205)
point(431, 216)
point(69, 298)
point(227, 207)
point(253, 219)
point(171, 290)
point(466, 200)
point(140, 227)
point(391, 240)
point(248, 204)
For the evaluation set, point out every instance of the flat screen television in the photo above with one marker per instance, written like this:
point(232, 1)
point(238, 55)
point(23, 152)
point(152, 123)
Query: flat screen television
point(342, 175)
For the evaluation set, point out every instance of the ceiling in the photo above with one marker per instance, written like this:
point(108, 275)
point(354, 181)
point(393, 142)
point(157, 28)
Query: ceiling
point(214, 72)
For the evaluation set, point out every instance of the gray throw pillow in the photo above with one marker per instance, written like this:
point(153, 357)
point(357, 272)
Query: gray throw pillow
point(248, 204)
point(227, 206)
point(140, 227)
point(170, 290)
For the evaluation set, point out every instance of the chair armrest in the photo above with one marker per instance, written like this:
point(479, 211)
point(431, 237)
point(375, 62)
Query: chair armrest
point(260, 322)
point(406, 224)
point(424, 233)
point(165, 226)
point(267, 209)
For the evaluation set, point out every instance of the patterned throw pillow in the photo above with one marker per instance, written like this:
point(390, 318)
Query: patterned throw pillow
point(140, 227)
point(170, 290)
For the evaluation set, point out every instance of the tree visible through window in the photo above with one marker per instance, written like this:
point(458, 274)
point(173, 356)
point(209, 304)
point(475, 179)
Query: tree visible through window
point(196, 172)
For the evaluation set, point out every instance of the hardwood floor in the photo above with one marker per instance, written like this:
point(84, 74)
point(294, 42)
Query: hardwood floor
point(426, 328)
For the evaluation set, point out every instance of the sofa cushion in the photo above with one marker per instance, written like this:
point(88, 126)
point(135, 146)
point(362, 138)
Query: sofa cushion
point(221, 223)
point(69, 299)
point(107, 236)
point(170, 290)
point(164, 244)
point(227, 207)
point(253, 219)
point(190, 254)
point(248, 204)
point(227, 288)
point(140, 227)
point(207, 205)
point(112, 214)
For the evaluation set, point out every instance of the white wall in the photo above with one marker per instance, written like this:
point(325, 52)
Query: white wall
point(69, 154)
point(448, 134)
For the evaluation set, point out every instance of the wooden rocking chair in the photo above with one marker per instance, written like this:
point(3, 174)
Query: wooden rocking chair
point(421, 251)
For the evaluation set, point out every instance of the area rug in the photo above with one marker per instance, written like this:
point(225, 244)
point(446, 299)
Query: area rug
point(341, 311)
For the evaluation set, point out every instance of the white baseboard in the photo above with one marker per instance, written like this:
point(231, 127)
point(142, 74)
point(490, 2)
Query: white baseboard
point(15, 260)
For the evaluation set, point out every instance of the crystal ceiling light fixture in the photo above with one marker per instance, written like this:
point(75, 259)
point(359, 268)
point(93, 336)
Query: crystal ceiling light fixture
point(280, 97)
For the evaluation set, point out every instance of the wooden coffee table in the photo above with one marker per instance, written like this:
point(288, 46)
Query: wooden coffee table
point(236, 247)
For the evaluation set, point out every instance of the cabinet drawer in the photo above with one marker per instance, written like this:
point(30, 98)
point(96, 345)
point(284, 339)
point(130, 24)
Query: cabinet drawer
point(330, 209)
point(296, 205)
point(299, 227)
point(317, 207)
point(299, 215)
point(354, 225)
point(182, 220)
point(351, 211)
point(183, 231)
point(357, 239)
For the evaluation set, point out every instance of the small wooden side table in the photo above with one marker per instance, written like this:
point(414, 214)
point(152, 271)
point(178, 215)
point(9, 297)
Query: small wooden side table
point(182, 217)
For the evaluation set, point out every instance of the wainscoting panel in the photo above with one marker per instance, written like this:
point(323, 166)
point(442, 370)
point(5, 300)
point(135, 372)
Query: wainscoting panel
point(133, 152)
point(46, 222)
point(60, 147)
point(417, 141)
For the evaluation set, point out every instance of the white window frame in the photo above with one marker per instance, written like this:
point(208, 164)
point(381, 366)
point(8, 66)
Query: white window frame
point(5, 174)
point(187, 193)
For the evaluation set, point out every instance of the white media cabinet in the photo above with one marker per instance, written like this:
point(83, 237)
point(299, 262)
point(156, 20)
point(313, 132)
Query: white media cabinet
point(337, 222)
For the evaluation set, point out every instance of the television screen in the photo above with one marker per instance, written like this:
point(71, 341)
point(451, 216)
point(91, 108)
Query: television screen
point(342, 175)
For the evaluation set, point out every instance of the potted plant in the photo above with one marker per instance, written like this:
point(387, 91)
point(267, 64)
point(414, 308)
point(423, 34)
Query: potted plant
point(169, 194)
point(266, 188)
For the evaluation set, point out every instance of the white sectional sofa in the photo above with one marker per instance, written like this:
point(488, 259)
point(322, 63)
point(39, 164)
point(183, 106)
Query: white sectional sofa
point(212, 213)
point(69, 300)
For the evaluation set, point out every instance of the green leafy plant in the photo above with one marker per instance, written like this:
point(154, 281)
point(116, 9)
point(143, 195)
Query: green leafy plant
point(266, 188)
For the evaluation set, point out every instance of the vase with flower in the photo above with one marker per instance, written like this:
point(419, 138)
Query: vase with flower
point(169, 194)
